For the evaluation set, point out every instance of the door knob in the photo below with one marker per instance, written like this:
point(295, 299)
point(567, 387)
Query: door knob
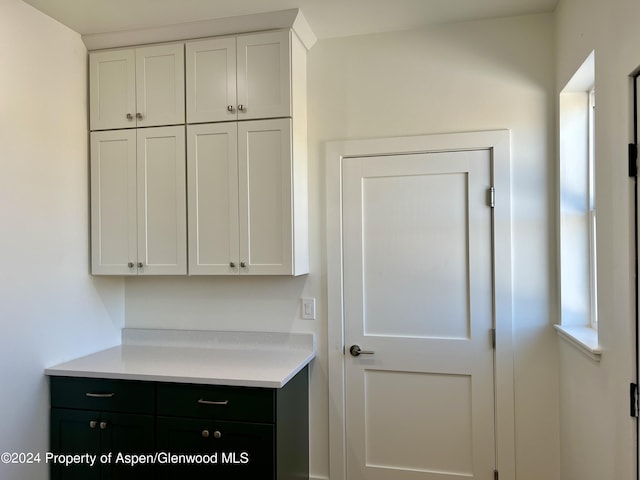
point(356, 351)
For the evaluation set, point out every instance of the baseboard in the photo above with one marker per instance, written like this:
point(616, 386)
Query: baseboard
point(318, 478)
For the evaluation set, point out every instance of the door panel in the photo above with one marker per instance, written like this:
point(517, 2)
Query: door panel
point(162, 217)
point(398, 239)
point(391, 419)
point(417, 289)
point(160, 85)
point(265, 196)
point(213, 199)
point(264, 75)
point(211, 80)
point(113, 202)
point(113, 94)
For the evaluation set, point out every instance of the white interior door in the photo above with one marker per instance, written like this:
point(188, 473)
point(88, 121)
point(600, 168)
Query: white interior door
point(418, 295)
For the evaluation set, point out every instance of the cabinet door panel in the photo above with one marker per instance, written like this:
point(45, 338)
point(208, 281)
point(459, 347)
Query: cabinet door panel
point(213, 199)
point(112, 94)
point(71, 433)
point(243, 450)
point(264, 75)
point(162, 222)
point(113, 202)
point(160, 85)
point(265, 196)
point(211, 80)
point(127, 434)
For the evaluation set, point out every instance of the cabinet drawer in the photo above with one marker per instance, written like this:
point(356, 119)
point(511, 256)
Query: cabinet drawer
point(217, 402)
point(102, 394)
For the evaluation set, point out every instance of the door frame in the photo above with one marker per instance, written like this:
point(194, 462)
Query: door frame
point(498, 142)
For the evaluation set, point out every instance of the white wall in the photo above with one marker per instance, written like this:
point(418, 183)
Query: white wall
point(470, 76)
point(597, 434)
point(51, 309)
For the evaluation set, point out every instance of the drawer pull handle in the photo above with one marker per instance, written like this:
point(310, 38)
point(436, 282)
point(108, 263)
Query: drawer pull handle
point(100, 395)
point(103, 425)
point(93, 424)
point(217, 434)
point(209, 402)
point(205, 433)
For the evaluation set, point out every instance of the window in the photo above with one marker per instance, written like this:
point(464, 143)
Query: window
point(577, 210)
point(593, 265)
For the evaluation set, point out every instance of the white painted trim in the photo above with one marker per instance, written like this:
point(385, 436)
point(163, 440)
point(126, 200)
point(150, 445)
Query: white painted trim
point(584, 338)
point(499, 142)
point(214, 27)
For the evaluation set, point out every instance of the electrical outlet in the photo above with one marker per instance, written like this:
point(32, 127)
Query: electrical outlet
point(309, 308)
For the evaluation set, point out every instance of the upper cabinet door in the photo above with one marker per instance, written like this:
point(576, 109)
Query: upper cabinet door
point(264, 75)
point(112, 92)
point(265, 174)
point(212, 176)
point(211, 80)
point(160, 85)
point(113, 202)
point(162, 209)
point(140, 87)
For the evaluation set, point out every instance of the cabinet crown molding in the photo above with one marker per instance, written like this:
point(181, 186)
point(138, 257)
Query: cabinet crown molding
point(291, 18)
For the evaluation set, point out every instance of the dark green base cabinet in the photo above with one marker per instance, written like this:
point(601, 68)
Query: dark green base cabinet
point(190, 431)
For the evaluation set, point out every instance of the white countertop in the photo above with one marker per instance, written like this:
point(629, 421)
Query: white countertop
point(205, 357)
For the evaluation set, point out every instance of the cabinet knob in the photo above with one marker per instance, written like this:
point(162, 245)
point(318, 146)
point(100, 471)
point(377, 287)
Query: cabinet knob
point(217, 434)
point(205, 433)
point(232, 264)
point(140, 265)
point(130, 265)
point(103, 425)
point(230, 108)
point(129, 116)
point(93, 424)
point(243, 264)
point(242, 108)
point(139, 116)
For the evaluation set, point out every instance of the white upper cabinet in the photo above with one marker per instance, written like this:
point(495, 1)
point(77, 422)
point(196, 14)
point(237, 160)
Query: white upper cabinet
point(239, 78)
point(212, 176)
point(247, 200)
point(138, 87)
point(114, 248)
point(138, 201)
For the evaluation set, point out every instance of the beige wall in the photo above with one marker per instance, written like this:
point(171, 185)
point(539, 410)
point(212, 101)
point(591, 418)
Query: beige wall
point(51, 309)
point(471, 76)
point(597, 434)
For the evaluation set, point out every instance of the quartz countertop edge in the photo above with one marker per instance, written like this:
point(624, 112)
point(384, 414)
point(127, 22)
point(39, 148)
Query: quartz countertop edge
point(249, 359)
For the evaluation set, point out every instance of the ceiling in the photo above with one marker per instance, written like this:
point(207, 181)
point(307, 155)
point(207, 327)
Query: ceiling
point(327, 18)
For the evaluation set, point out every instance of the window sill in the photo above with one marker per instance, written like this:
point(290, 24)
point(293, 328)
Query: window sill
point(583, 338)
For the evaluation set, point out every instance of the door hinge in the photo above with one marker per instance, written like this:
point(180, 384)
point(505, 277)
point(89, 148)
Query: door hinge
point(496, 475)
point(492, 196)
point(493, 338)
point(633, 399)
point(633, 160)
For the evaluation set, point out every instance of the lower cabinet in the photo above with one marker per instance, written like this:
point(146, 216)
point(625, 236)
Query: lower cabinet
point(180, 430)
